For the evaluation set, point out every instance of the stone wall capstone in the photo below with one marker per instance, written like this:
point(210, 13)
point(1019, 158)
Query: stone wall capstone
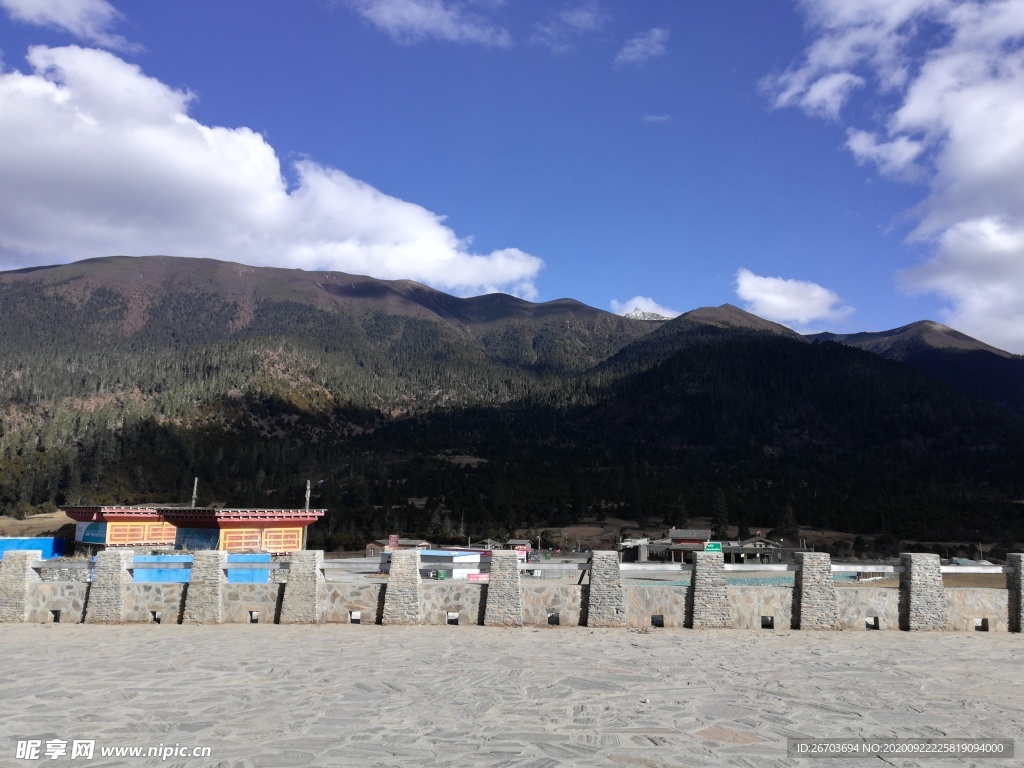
point(814, 593)
point(709, 594)
point(403, 595)
point(16, 578)
point(922, 596)
point(204, 598)
point(110, 580)
point(504, 607)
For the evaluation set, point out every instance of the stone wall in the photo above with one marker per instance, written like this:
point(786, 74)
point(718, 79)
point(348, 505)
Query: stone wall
point(403, 595)
point(252, 603)
point(644, 603)
point(67, 598)
point(973, 609)
point(606, 604)
point(1015, 591)
point(54, 572)
point(504, 604)
point(109, 584)
point(338, 601)
point(461, 598)
point(153, 603)
point(302, 588)
point(561, 605)
point(814, 593)
point(708, 599)
point(859, 604)
point(204, 601)
point(17, 577)
point(749, 605)
point(113, 597)
point(922, 596)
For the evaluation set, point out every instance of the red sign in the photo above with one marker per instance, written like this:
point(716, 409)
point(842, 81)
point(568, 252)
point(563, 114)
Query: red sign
point(478, 577)
point(392, 541)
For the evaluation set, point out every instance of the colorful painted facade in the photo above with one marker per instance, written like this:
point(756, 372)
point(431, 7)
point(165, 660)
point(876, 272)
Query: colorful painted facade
point(234, 530)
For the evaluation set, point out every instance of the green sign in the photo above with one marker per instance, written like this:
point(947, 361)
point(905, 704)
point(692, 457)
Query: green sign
point(712, 546)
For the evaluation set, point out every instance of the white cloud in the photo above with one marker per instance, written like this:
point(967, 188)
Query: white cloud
point(789, 301)
point(561, 28)
point(944, 86)
point(97, 159)
point(979, 267)
point(657, 118)
point(826, 95)
point(644, 304)
point(894, 158)
point(90, 20)
point(641, 48)
point(409, 21)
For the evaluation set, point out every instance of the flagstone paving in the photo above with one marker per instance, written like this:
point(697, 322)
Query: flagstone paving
point(363, 695)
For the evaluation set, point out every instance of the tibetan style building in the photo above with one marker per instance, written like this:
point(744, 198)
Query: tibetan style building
point(233, 530)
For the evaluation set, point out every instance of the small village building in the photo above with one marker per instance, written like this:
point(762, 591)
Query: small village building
point(377, 546)
point(683, 542)
point(756, 549)
point(277, 531)
point(487, 544)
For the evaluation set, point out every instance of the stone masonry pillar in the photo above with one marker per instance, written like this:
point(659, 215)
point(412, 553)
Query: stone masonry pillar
point(709, 595)
point(606, 603)
point(1015, 588)
point(403, 595)
point(110, 579)
point(814, 593)
point(204, 598)
point(302, 590)
point(504, 606)
point(16, 577)
point(922, 596)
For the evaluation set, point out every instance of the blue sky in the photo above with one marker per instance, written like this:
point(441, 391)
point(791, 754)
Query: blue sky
point(833, 165)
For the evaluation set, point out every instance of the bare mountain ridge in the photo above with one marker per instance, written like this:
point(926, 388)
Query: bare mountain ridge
point(909, 339)
point(131, 297)
point(142, 279)
point(972, 366)
point(729, 316)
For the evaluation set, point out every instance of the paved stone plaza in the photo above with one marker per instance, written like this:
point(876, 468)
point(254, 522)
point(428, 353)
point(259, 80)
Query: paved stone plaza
point(365, 695)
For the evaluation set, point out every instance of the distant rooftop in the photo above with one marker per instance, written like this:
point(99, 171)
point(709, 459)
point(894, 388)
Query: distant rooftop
point(689, 533)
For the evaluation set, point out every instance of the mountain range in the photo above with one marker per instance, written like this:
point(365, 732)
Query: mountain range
point(121, 378)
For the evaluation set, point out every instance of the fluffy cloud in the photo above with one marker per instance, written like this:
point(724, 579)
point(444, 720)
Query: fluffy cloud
point(413, 20)
point(979, 267)
point(642, 48)
point(788, 301)
point(96, 158)
point(944, 84)
point(558, 32)
point(644, 304)
point(90, 20)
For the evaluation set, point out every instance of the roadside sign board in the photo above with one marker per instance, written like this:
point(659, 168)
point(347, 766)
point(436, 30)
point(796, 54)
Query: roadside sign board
point(712, 546)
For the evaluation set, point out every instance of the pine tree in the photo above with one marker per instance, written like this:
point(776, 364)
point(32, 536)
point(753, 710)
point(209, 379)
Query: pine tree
point(719, 515)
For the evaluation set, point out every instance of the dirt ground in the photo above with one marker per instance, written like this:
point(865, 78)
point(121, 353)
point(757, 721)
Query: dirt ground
point(36, 525)
point(963, 580)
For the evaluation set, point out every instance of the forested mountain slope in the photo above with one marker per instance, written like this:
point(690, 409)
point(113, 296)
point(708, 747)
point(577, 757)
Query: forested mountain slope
point(947, 354)
point(122, 379)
